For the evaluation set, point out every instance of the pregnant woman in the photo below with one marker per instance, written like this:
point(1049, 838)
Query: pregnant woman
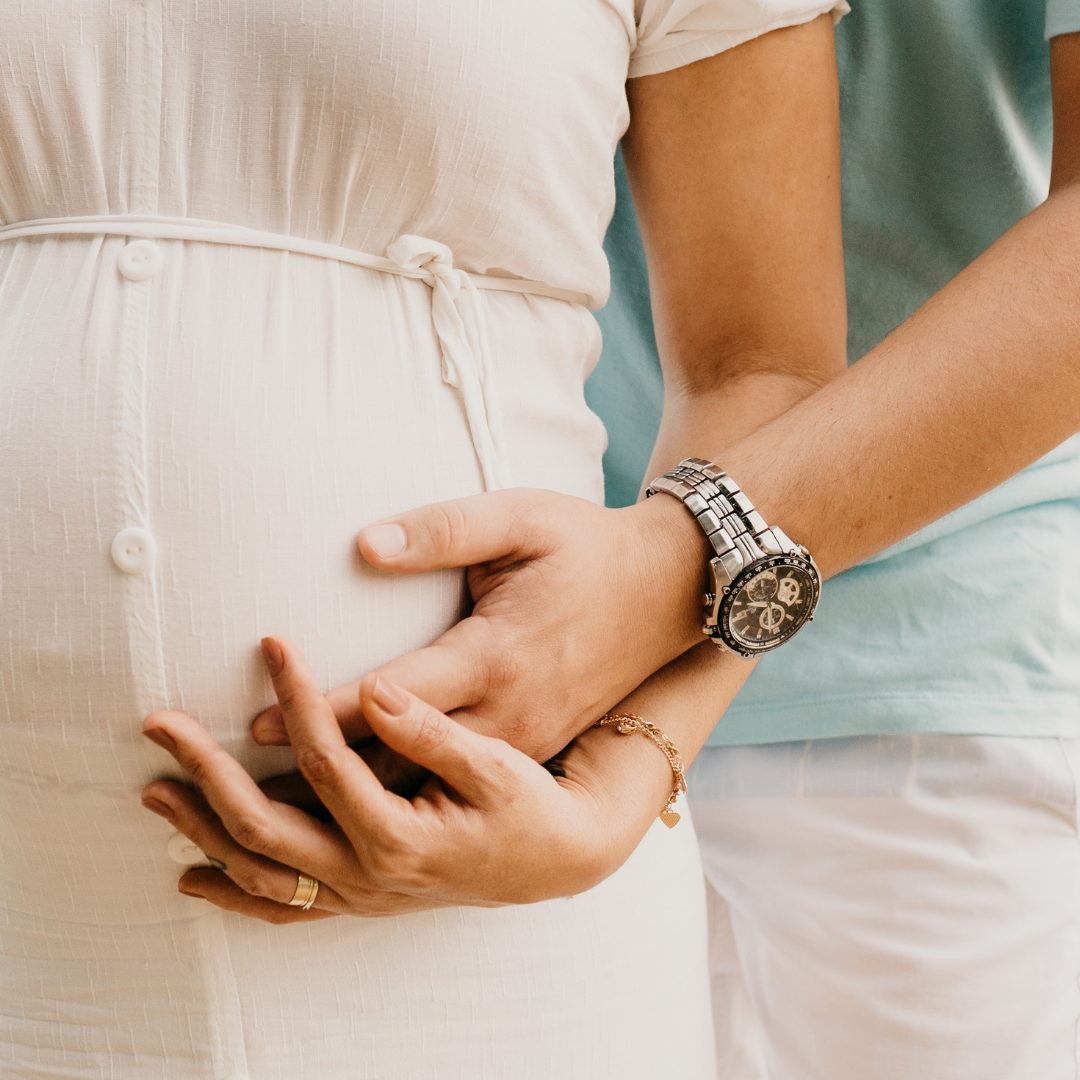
point(269, 272)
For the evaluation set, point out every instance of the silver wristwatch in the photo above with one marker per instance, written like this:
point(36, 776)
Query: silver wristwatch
point(763, 587)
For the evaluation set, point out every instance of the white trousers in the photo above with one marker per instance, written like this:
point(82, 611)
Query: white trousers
point(893, 908)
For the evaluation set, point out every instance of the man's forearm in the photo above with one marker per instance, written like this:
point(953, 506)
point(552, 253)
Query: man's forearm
point(983, 380)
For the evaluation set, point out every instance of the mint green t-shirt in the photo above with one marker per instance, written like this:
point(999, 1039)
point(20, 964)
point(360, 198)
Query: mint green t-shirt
point(973, 624)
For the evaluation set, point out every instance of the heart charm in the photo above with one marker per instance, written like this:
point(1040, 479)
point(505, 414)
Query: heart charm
point(669, 818)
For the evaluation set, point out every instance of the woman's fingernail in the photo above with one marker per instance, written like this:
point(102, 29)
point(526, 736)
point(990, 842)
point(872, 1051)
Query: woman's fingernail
point(163, 739)
point(191, 892)
point(158, 807)
point(272, 654)
point(389, 697)
point(386, 540)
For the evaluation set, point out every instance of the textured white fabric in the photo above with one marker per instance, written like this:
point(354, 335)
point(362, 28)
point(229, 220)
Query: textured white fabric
point(237, 412)
point(466, 362)
point(893, 907)
point(679, 32)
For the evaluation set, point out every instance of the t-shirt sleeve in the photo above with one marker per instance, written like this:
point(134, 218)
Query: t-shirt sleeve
point(671, 33)
point(1062, 17)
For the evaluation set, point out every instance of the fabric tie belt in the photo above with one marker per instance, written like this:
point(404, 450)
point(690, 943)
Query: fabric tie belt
point(466, 360)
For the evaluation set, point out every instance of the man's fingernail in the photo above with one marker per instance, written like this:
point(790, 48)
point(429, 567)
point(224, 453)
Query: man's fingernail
point(191, 892)
point(271, 651)
point(158, 807)
point(386, 540)
point(269, 729)
point(389, 697)
point(164, 740)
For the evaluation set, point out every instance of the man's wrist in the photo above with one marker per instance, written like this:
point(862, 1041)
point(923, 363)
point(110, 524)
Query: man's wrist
point(682, 551)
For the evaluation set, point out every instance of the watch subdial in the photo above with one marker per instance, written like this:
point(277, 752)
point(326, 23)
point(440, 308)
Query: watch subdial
point(772, 604)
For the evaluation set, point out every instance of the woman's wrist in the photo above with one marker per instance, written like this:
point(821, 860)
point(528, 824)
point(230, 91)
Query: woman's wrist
point(628, 780)
point(628, 776)
point(687, 698)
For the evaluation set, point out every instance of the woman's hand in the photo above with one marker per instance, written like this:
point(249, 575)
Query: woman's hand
point(489, 827)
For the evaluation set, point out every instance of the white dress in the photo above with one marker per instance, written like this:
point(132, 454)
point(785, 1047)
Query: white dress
point(194, 423)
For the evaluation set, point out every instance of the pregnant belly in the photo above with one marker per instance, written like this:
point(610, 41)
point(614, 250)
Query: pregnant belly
point(246, 412)
point(249, 412)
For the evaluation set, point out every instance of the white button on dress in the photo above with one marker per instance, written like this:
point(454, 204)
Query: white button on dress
point(134, 550)
point(184, 851)
point(140, 260)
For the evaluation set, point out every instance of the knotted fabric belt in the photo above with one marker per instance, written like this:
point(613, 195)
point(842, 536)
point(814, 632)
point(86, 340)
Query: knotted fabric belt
point(462, 334)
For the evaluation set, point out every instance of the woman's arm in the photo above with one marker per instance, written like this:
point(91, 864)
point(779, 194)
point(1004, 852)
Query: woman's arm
point(735, 168)
point(739, 208)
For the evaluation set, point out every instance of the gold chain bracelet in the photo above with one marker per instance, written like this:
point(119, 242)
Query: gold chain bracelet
point(627, 724)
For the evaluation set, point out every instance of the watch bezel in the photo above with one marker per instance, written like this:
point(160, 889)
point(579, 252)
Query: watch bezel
point(730, 592)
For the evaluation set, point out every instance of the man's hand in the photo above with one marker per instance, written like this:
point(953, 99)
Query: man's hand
point(574, 606)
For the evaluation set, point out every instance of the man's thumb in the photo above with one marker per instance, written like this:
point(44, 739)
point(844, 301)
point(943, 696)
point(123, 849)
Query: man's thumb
point(459, 533)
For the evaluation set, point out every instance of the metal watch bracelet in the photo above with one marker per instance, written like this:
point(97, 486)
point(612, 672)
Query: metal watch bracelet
point(739, 536)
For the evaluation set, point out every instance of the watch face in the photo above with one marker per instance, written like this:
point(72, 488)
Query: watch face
point(768, 603)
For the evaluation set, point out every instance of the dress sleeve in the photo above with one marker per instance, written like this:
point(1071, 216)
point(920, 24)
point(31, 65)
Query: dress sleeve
point(1062, 17)
point(671, 33)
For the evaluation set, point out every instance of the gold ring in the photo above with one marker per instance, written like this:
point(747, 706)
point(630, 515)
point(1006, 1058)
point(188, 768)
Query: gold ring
point(307, 888)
